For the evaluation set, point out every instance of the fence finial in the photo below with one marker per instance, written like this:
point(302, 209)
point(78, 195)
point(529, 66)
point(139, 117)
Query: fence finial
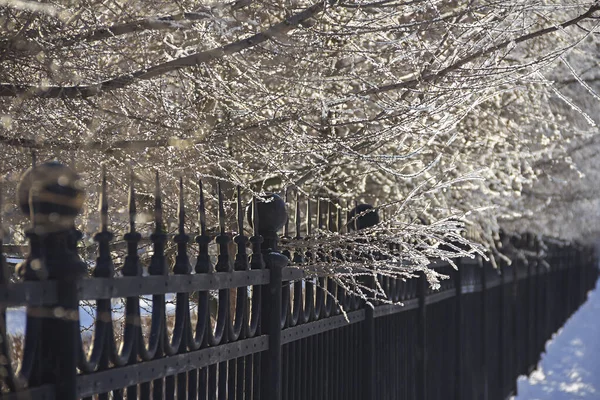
point(319, 213)
point(221, 209)
point(131, 203)
point(203, 263)
point(363, 216)
point(104, 265)
point(181, 208)
point(182, 262)
point(241, 258)
point(4, 274)
point(308, 218)
point(52, 194)
point(286, 226)
point(222, 239)
point(298, 255)
point(271, 216)
point(158, 211)
point(256, 260)
point(298, 216)
point(103, 202)
point(202, 210)
point(132, 266)
point(158, 265)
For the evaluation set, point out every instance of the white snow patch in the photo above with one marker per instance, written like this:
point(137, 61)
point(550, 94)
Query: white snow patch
point(570, 368)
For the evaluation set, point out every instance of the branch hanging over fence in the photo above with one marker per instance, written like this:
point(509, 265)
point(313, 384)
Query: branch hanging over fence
point(409, 83)
point(13, 90)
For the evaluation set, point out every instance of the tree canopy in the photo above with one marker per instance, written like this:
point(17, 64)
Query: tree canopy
point(442, 113)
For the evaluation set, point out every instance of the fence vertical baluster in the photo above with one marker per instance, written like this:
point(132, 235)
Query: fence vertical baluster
point(458, 325)
point(182, 266)
point(484, 318)
point(158, 266)
point(53, 255)
point(502, 330)
point(300, 306)
point(104, 269)
point(422, 338)
point(272, 217)
point(515, 328)
point(242, 317)
point(224, 317)
point(132, 267)
point(203, 266)
point(285, 308)
point(310, 312)
point(256, 323)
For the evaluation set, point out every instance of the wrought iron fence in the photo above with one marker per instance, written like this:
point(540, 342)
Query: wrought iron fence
point(282, 335)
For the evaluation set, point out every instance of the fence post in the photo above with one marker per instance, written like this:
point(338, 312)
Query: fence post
point(514, 308)
point(458, 333)
point(502, 328)
point(369, 347)
point(484, 338)
point(270, 218)
point(51, 195)
point(360, 217)
point(422, 339)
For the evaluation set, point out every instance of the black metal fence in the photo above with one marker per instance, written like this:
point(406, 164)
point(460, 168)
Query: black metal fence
point(276, 334)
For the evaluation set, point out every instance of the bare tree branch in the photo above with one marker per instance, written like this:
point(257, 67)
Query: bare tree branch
point(410, 83)
point(174, 22)
point(12, 90)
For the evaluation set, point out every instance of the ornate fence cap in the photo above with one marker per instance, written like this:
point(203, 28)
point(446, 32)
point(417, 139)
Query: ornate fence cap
point(369, 217)
point(272, 214)
point(56, 193)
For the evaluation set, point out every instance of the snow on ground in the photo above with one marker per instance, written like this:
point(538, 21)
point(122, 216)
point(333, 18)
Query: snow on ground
point(16, 316)
point(570, 368)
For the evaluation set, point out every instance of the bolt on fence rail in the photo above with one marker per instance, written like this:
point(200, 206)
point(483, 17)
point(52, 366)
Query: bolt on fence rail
point(276, 334)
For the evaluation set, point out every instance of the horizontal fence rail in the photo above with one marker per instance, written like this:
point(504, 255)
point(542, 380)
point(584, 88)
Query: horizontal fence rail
point(258, 326)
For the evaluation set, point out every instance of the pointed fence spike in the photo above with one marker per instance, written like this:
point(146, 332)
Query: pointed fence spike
point(240, 211)
point(103, 202)
point(132, 266)
point(202, 210)
point(308, 218)
point(203, 261)
point(104, 266)
point(255, 220)
point(158, 217)
point(131, 203)
point(1, 208)
point(338, 218)
point(286, 227)
point(182, 261)
point(241, 257)
point(319, 214)
point(328, 215)
point(158, 265)
point(348, 205)
point(355, 215)
point(221, 208)
point(3, 267)
point(181, 208)
point(298, 222)
point(256, 260)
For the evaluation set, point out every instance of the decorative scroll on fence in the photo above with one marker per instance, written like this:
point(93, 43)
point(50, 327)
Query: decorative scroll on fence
point(275, 334)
